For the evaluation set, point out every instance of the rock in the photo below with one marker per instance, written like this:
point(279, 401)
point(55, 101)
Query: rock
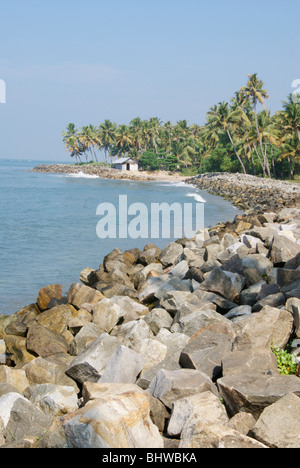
point(254, 392)
point(180, 270)
point(88, 333)
point(16, 347)
point(131, 333)
point(269, 327)
point(132, 310)
point(238, 313)
point(90, 363)
point(53, 400)
point(152, 350)
point(14, 377)
point(150, 287)
point(258, 262)
point(249, 295)
point(204, 406)
point(191, 323)
point(57, 319)
point(198, 434)
point(43, 342)
point(143, 274)
point(174, 300)
point(113, 421)
point(242, 423)
point(50, 370)
point(94, 391)
point(171, 255)
point(149, 374)
point(84, 276)
point(17, 328)
point(169, 386)
point(283, 276)
point(21, 418)
point(279, 424)
point(205, 353)
point(250, 360)
point(48, 293)
point(107, 314)
point(274, 300)
point(79, 319)
point(293, 306)
point(157, 319)
point(124, 366)
point(175, 342)
point(80, 294)
point(283, 249)
point(227, 284)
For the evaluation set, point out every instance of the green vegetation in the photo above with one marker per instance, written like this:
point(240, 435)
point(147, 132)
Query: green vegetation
point(286, 362)
point(236, 137)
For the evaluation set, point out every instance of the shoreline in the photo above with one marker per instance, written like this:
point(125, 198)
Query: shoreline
point(249, 193)
point(109, 173)
point(156, 336)
point(172, 348)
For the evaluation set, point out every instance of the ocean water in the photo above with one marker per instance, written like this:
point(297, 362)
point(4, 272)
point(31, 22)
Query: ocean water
point(48, 225)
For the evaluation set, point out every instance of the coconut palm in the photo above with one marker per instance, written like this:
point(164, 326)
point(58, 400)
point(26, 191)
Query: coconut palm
point(221, 118)
point(255, 94)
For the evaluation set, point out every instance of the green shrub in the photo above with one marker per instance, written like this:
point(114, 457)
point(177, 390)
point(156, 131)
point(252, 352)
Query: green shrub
point(286, 362)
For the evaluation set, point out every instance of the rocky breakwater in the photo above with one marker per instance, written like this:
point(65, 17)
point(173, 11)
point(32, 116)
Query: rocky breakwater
point(104, 172)
point(249, 192)
point(163, 348)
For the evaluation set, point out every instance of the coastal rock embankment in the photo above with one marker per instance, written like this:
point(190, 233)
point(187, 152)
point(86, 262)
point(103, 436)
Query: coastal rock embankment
point(163, 348)
point(249, 192)
point(105, 172)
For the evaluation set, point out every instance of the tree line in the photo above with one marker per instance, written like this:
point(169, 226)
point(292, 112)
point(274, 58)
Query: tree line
point(236, 137)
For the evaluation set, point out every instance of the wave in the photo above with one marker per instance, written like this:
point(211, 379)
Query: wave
point(196, 197)
point(81, 175)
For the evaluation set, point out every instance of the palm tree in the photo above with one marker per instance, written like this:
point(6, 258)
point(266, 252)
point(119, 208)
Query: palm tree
point(221, 118)
point(123, 142)
point(107, 134)
point(255, 93)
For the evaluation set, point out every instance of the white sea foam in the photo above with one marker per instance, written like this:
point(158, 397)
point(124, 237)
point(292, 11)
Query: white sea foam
point(82, 175)
point(196, 197)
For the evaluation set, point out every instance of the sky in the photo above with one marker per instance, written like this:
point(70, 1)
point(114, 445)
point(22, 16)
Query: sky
point(86, 61)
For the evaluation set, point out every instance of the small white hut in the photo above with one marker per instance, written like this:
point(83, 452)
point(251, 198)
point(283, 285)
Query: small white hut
point(126, 164)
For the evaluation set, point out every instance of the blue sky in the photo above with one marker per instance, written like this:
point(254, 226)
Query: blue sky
point(86, 61)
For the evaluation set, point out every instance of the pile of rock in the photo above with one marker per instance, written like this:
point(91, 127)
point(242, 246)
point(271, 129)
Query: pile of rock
point(105, 172)
point(249, 192)
point(162, 348)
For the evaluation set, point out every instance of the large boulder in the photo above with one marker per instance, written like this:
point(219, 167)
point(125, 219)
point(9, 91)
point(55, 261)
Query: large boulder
point(113, 421)
point(53, 400)
point(124, 366)
point(106, 314)
point(90, 363)
point(205, 353)
point(54, 291)
point(199, 434)
point(80, 294)
point(225, 283)
point(283, 249)
point(269, 327)
point(279, 424)
point(22, 419)
point(43, 342)
point(205, 406)
point(171, 255)
point(169, 386)
point(254, 392)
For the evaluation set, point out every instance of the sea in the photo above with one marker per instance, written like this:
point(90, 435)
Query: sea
point(48, 225)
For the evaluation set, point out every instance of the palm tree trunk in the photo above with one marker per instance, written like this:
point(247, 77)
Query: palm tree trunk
point(236, 153)
point(252, 161)
point(273, 163)
point(262, 165)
